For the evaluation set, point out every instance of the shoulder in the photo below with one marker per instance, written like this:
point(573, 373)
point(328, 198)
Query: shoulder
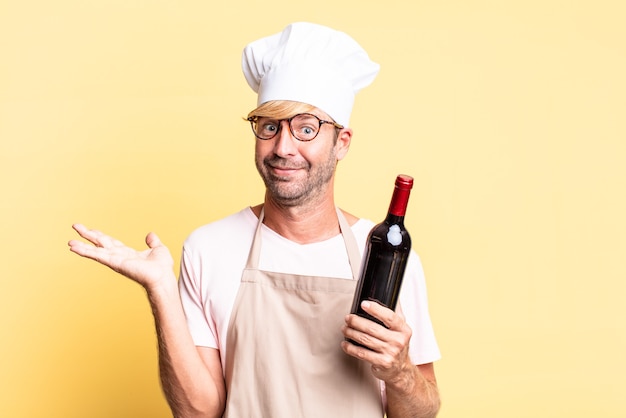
point(350, 217)
point(360, 227)
point(355, 222)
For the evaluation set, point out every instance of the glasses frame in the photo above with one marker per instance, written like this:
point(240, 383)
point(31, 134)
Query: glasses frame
point(253, 120)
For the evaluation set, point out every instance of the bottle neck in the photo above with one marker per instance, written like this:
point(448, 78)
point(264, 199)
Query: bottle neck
point(392, 219)
point(399, 201)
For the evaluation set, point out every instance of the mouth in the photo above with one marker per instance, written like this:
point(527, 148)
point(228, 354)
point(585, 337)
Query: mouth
point(282, 170)
point(282, 173)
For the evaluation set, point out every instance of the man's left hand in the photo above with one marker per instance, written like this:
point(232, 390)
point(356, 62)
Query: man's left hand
point(386, 348)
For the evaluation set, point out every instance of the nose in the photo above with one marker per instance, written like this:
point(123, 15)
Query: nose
point(285, 144)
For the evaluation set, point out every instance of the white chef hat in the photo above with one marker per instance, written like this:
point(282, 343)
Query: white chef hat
point(311, 64)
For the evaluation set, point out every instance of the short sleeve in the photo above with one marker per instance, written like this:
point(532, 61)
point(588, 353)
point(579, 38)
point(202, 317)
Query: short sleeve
point(203, 332)
point(414, 302)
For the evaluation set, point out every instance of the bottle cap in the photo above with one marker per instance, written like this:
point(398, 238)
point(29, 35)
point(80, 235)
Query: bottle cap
point(404, 182)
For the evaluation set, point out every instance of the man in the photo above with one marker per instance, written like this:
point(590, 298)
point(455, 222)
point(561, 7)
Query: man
point(261, 329)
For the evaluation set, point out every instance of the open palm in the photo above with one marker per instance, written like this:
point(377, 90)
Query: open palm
point(146, 267)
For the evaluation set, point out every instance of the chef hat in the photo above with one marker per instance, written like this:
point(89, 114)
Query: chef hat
point(311, 64)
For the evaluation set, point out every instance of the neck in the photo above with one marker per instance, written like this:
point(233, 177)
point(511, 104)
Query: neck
point(304, 224)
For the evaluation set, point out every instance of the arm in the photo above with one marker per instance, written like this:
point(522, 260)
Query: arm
point(191, 376)
point(415, 394)
point(411, 390)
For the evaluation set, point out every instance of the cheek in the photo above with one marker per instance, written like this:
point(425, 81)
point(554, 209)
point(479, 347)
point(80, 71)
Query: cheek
point(316, 150)
point(262, 149)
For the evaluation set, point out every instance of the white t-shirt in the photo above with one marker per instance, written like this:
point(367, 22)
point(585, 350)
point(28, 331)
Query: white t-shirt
point(215, 255)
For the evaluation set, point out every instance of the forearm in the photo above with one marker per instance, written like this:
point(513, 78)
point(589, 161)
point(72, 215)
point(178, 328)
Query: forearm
point(412, 395)
point(189, 386)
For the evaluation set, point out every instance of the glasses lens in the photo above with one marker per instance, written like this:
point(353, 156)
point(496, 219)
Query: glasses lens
point(265, 128)
point(305, 127)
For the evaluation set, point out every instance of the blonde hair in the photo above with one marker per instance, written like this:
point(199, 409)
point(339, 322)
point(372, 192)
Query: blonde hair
point(281, 109)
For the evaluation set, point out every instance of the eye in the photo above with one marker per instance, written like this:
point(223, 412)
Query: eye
point(305, 125)
point(269, 127)
point(266, 127)
point(305, 131)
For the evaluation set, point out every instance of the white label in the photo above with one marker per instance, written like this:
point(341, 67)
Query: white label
point(394, 236)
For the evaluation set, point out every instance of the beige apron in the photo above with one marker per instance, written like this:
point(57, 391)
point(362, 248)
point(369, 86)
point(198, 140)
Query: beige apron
point(284, 358)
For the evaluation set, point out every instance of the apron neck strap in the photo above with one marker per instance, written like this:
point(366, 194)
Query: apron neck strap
point(354, 256)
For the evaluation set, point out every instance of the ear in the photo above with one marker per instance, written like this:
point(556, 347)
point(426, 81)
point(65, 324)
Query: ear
point(343, 143)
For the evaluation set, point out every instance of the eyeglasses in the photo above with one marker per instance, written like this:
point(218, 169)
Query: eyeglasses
point(304, 126)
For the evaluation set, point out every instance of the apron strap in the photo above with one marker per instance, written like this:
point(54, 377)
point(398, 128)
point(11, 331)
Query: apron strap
point(255, 248)
point(354, 255)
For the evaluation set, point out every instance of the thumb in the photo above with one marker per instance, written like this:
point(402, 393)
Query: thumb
point(153, 240)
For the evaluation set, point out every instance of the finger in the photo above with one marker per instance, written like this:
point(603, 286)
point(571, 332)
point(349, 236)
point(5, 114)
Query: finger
point(358, 352)
point(388, 317)
point(152, 240)
point(81, 230)
point(91, 235)
point(86, 250)
point(98, 238)
point(366, 337)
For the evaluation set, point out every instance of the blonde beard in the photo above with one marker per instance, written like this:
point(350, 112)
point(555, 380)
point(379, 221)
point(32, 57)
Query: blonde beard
point(286, 193)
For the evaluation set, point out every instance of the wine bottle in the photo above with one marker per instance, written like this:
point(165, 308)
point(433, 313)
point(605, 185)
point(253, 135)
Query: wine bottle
point(386, 254)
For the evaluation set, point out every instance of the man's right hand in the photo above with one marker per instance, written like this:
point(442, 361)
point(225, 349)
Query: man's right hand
point(148, 267)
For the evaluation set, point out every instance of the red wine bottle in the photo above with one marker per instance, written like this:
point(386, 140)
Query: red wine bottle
point(386, 254)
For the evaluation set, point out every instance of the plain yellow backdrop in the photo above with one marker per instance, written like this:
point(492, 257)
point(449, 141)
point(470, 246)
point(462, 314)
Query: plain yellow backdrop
point(127, 116)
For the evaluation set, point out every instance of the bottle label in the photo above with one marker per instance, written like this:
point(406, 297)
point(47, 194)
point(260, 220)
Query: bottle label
point(394, 236)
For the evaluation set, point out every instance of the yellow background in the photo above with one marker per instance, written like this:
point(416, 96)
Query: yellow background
point(126, 116)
